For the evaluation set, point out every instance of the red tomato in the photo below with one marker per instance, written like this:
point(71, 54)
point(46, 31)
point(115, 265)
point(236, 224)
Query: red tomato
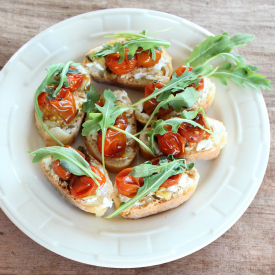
point(75, 81)
point(144, 59)
point(151, 104)
point(181, 69)
point(122, 121)
point(115, 143)
point(59, 170)
point(172, 143)
point(83, 186)
point(191, 133)
point(126, 184)
point(123, 68)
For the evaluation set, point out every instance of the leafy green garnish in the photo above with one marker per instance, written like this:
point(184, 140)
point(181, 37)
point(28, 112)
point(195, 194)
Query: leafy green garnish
point(178, 83)
point(137, 40)
point(105, 118)
point(220, 46)
point(70, 160)
point(92, 97)
point(53, 70)
point(159, 129)
point(154, 176)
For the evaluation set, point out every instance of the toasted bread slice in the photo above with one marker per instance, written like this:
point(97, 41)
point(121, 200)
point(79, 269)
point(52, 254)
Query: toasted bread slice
point(97, 205)
point(117, 164)
point(66, 133)
point(137, 79)
point(205, 100)
point(207, 149)
point(155, 202)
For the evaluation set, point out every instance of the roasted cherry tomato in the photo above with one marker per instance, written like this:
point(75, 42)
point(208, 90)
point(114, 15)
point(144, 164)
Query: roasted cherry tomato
point(126, 184)
point(172, 143)
point(191, 133)
point(115, 143)
point(63, 106)
point(145, 60)
point(59, 170)
point(181, 69)
point(122, 121)
point(75, 81)
point(151, 104)
point(83, 186)
point(123, 68)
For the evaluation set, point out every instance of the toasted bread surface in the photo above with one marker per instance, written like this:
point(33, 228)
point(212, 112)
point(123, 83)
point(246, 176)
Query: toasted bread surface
point(98, 205)
point(117, 164)
point(153, 204)
point(137, 79)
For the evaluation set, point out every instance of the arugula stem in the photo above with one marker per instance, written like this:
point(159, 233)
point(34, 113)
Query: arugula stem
point(133, 137)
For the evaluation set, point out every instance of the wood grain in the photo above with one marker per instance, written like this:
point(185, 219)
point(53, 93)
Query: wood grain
point(249, 246)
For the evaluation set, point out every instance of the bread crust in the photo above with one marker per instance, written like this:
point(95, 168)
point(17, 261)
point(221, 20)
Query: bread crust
point(67, 138)
point(157, 205)
point(117, 164)
point(192, 155)
point(142, 117)
point(59, 185)
point(106, 77)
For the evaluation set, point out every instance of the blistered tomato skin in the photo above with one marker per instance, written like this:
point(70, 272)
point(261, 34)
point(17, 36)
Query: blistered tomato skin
point(126, 184)
point(181, 69)
point(83, 186)
point(75, 81)
point(123, 68)
point(145, 60)
point(172, 143)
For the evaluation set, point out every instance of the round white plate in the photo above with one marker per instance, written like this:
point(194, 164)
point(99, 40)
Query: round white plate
point(226, 188)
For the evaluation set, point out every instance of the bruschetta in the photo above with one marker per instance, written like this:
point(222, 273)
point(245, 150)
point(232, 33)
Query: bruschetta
point(176, 190)
point(191, 143)
point(78, 190)
point(120, 149)
point(136, 72)
point(62, 115)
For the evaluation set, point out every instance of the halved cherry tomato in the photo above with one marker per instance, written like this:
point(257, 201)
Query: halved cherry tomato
point(145, 60)
point(126, 184)
point(75, 81)
point(172, 143)
point(191, 133)
point(151, 104)
point(122, 121)
point(123, 68)
point(83, 186)
point(115, 143)
point(181, 69)
point(59, 170)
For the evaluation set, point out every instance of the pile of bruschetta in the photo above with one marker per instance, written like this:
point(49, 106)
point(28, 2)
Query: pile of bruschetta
point(168, 125)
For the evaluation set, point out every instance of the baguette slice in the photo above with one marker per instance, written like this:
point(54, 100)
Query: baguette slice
point(207, 149)
point(66, 133)
point(117, 164)
point(204, 100)
point(137, 79)
point(97, 205)
point(154, 203)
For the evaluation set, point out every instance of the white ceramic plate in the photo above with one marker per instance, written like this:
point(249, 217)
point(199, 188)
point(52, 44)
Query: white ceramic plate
point(227, 186)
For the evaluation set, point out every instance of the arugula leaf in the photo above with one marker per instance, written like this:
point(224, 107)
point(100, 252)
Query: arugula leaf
point(152, 182)
point(52, 71)
point(92, 97)
point(69, 158)
point(179, 83)
point(241, 75)
point(159, 129)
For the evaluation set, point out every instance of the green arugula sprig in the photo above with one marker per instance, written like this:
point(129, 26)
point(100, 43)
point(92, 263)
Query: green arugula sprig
point(70, 160)
point(135, 41)
point(61, 70)
point(92, 98)
point(154, 176)
point(186, 116)
point(104, 117)
point(220, 46)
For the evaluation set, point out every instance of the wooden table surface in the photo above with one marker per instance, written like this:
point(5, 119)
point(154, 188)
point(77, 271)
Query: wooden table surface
point(249, 246)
